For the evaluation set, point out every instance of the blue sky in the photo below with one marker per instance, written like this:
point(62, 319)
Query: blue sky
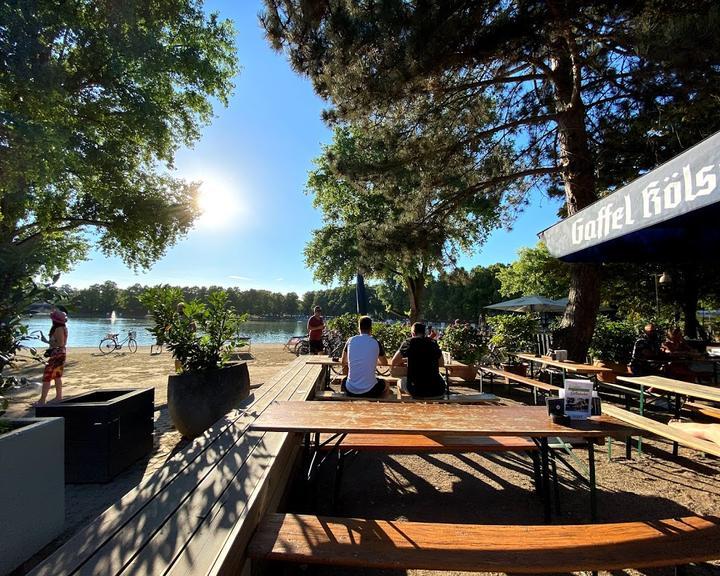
point(253, 161)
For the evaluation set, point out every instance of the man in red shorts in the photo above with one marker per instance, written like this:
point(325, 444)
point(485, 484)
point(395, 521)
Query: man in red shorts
point(315, 326)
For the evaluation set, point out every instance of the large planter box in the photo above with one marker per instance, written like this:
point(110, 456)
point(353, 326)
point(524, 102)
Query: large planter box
point(105, 431)
point(32, 498)
point(465, 371)
point(196, 400)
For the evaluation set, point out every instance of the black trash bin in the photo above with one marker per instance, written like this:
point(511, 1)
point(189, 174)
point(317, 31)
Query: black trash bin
point(105, 431)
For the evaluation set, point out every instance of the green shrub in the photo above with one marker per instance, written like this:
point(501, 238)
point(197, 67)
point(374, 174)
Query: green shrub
point(201, 336)
point(514, 333)
point(465, 343)
point(389, 335)
point(613, 340)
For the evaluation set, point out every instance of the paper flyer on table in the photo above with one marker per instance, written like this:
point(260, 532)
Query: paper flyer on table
point(578, 398)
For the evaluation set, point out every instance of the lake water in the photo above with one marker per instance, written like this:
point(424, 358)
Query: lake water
point(87, 332)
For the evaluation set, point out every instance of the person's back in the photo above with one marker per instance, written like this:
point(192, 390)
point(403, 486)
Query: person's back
point(424, 359)
point(361, 355)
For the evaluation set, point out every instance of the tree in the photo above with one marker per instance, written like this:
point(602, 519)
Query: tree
point(377, 223)
point(565, 77)
point(95, 99)
point(535, 272)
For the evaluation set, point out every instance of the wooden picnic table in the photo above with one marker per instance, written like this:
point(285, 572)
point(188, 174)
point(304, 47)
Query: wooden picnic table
point(328, 361)
point(565, 365)
point(314, 418)
point(677, 387)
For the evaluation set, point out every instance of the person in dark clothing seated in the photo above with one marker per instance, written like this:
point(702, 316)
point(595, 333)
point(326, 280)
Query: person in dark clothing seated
point(424, 359)
point(647, 358)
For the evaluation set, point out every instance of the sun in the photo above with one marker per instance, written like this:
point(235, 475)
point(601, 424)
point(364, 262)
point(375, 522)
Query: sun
point(218, 201)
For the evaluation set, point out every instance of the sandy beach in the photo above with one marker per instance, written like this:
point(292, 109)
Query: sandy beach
point(493, 489)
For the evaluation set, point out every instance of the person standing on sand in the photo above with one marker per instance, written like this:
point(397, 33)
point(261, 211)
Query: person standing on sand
point(57, 340)
point(315, 327)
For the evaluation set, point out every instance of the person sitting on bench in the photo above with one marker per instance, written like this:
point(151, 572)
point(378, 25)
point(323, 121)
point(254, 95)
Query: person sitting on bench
point(424, 359)
point(362, 353)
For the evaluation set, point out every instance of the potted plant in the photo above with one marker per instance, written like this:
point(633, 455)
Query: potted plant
point(611, 346)
point(514, 333)
point(202, 336)
point(467, 345)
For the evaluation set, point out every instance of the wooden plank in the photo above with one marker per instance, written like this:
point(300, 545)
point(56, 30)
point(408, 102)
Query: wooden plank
point(568, 365)
point(392, 544)
point(662, 430)
point(391, 397)
point(433, 419)
point(704, 409)
point(517, 378)
point(677, 386)
point(178, 475)
point(421, 444)
point(177, 527)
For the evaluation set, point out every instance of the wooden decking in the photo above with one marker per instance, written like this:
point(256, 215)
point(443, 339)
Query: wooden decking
point(196, 515)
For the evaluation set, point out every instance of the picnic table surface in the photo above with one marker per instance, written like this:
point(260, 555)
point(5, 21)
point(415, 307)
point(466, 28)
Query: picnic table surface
point(462, 420)
point(700, 391)
point(568, 365)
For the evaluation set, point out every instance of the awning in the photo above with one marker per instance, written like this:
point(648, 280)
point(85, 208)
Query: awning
point(667, 215)
point(529, 304)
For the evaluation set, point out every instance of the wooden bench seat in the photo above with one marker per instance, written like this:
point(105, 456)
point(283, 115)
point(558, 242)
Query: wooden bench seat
point(421, 444)
point(703, 409)
point(662, 430)
point(196, 514)
point(518, 379)
point(391, 396)
point(390, 544)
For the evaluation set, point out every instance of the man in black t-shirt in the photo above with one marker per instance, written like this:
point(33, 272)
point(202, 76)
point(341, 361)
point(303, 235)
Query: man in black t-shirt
point(424, 359)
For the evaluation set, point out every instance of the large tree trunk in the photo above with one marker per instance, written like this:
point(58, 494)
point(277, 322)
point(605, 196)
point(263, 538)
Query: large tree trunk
point(578, 322)
point(415, 288)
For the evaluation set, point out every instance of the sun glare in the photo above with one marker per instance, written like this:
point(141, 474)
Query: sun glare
point(219, 202)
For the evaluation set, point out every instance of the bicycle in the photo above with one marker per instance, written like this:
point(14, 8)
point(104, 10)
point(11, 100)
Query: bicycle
point(332, 344)
point(111, 343)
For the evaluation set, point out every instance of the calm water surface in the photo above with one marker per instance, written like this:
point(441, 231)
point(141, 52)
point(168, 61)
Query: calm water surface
point(84, 332)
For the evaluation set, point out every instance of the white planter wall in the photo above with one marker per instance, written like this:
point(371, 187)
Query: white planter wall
point(32, 488)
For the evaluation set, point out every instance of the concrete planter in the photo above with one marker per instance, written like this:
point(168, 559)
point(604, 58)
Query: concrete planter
point(466, 372)
point(196, 400)
point(617, 370)
point(32, 499)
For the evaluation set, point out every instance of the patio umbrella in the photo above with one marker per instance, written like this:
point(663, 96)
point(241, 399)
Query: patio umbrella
point(528, 304)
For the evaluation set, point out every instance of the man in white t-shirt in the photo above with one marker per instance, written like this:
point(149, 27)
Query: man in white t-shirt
point(362, 354)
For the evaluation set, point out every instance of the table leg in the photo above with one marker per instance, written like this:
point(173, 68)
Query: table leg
point(641, 409)
point(628, 440)
point(593, 488)
point(678, 407)
point(545, 455)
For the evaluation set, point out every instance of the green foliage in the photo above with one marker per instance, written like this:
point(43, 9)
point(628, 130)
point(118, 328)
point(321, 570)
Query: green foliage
point(95, 99)
point(200, 335)
point(514, 332)
point(535, 272)
point(613, 340)
point(465, 343)
point(390, 335)
point(346, 325)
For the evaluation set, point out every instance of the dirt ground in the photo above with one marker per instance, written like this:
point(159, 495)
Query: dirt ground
point(467, 488)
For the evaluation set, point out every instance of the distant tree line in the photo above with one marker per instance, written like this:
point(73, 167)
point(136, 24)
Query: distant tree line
point(458, 294)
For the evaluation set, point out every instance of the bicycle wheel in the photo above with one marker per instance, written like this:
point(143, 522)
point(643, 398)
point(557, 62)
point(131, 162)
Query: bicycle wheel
point(132, 345)
point(107, 345)
point(302, 348)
